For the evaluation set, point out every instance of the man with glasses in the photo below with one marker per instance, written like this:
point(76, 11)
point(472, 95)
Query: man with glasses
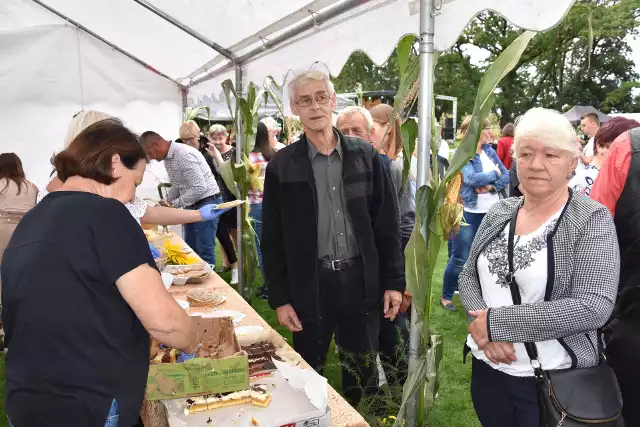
point(331, 244)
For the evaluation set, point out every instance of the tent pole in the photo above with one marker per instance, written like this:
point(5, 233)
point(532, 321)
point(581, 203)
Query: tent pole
point(108, 43)
point(425, 111)
point(193, 33)
point(239, 145)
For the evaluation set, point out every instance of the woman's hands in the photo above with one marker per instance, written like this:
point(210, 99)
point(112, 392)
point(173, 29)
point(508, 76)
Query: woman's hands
point(496, 352)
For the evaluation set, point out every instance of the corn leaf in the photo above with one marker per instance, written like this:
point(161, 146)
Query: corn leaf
point(409, 135)
point(502, 66)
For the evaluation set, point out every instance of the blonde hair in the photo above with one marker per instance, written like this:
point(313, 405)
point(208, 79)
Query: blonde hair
point(464, 127)
point(391, 144)
point(548, 127)
point(303, 77)
point(81, 121)
point(218, 129)
point(189, 129)
point(354, 109)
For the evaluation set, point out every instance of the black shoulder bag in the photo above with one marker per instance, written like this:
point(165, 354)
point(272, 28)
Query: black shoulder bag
point(574, 397)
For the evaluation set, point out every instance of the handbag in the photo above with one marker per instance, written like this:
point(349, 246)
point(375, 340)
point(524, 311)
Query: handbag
point(571, 397)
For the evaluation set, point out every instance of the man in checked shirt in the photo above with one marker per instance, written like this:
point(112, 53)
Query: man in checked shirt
point(192, 187)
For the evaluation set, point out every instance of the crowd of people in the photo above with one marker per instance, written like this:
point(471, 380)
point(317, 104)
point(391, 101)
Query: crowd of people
point(544, 262)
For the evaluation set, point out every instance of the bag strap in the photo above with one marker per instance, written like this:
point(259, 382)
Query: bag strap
point(532, 350)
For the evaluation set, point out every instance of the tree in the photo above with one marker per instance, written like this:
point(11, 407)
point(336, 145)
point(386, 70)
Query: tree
point(361, 69)
point(559, 70)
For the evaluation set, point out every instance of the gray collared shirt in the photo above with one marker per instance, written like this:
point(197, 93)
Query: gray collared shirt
point(336, 239)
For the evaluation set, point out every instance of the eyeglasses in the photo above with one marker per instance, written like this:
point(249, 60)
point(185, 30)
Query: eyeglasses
point(306, 101)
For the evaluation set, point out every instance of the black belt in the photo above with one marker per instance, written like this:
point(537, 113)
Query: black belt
point(338, 264)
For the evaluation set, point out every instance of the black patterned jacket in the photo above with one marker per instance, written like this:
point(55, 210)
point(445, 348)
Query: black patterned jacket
point(289, 225)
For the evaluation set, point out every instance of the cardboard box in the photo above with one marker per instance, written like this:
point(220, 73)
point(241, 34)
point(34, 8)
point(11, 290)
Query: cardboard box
point(220, 366)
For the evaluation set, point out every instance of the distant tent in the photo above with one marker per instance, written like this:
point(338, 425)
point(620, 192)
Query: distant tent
point(578, 111)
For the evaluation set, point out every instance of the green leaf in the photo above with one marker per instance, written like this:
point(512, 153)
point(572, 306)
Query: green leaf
point(416, 270)
point(229, 89)
point(403, 51)
point(414, 382)
point(226, 172)
point(502, 66)
point(409, 131)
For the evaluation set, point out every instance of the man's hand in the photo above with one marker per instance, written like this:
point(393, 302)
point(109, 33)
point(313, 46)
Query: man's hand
point(406, 302)
point(478, 328)
point(500, 352)
point(164, 203)
point(288, 318)
point(392, 301)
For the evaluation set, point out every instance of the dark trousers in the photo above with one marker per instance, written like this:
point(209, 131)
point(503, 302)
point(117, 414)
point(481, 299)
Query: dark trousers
point(502, 400)
point(255, 213)
point(623, 346)
point(356, 326)
point(224, 236)
point(201, 236)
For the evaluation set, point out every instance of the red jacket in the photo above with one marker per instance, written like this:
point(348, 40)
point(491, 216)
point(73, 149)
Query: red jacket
point(504, 151)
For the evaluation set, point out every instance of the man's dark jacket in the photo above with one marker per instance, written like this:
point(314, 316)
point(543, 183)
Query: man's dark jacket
point(289, 230)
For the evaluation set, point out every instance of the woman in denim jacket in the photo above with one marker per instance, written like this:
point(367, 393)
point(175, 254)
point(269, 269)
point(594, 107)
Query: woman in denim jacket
point(483, 178)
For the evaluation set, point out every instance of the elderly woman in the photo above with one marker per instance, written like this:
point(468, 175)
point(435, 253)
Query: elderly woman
point(564, 268)
point(81, 293)
point(482, 180)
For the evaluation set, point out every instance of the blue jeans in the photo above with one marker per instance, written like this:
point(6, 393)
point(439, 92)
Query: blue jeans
point(113, 417)
point(459, 247)
point(201, 236)
point(255, 213)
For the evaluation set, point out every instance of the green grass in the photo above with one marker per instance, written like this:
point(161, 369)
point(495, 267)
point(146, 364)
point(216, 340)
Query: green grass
point(453, 406)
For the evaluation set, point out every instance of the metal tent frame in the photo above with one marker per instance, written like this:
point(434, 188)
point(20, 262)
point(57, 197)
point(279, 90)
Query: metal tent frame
point(298, 24)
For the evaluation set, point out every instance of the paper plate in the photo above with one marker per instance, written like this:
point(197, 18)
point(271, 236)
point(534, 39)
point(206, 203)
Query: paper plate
point(248, 330)
point(236, 316)
point(183, 304)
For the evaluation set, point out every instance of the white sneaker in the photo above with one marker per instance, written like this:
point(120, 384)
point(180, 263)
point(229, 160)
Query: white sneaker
point(234, 276)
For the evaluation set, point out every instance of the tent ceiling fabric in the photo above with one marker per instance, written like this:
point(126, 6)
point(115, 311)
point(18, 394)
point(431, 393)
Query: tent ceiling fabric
point(244, 25)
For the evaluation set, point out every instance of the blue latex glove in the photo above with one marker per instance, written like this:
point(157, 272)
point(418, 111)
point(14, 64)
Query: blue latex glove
point(154, 251)
point(209, 212)
point(183, 357)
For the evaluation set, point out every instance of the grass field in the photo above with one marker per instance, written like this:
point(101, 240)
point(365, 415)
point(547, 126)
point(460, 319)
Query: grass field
point(453, 406)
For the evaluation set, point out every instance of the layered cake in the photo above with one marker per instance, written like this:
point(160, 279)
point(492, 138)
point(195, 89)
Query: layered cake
point(256, 394)
point(260, 355)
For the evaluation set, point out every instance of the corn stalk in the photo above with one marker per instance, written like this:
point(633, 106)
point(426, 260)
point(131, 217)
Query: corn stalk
point(241, 177)
point(437, 212)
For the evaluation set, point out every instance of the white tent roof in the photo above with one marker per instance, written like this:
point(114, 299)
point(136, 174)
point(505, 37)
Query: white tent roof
point(49, 69)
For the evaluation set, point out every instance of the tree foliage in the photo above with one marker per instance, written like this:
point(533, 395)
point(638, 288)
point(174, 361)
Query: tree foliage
point(558, 70)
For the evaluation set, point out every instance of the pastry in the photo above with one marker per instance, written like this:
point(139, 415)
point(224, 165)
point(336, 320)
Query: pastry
point(260, 357)
point(166, 355)
point(203, 297)
point(257, 395)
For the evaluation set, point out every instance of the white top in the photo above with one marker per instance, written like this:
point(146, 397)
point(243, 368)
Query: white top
point(279, 146)
point(584, 178)
point(137, 208)
point(443, 150)
point(589, 148)
point(530, 264)
point(485, 200)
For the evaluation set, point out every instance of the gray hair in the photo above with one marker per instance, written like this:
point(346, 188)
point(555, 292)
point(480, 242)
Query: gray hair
point(301, 78)
point(548, 127)
point(354, 109)
point(217, 129)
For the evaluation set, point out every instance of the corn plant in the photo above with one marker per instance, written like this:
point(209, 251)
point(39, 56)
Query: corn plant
point(438, 211)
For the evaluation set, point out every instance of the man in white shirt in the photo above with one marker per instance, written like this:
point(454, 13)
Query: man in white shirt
point(590, 124)
point(274, 128)
point(192, 186)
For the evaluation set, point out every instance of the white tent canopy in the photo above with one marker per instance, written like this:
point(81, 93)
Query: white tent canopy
point(51, 69)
